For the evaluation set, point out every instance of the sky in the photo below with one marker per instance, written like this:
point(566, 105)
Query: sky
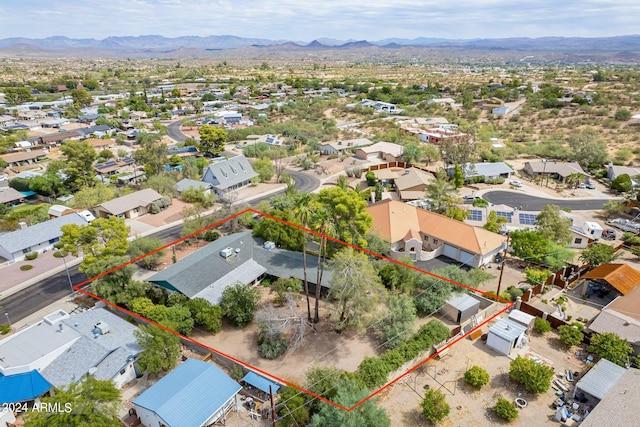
point(306, 20)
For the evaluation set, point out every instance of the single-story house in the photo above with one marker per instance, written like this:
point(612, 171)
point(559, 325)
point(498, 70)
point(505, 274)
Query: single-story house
point(424, 235)
point(379, 106)
point(113, 167)
point(63, 348)
point(195, 394)
point(10, 195)
point(557, 170)
point(506, 335)
point(387, 151)
point(339, 147)
point(237, 257)
point(36, 238)
point(130, 206)
point(54, 138)
point(229, 174)
point(460, 307)
point(484, 169)
point(617, 406)
point(500, 111)
point(186, 183)
point(22, 158)
point(412, 184)
point(614, 171)
point(101, 144)
point(621, 277)
point(96, 131)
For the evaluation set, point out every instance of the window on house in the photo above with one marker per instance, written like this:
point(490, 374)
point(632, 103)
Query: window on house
point(577, 241)
point(435, 241)
point(26, 250)
point(122, 371)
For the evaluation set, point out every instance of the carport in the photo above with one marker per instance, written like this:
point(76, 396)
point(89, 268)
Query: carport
point(599, 380)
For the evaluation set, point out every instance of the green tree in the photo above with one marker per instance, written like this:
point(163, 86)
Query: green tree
point(160, 349)
point(112, 285)
point(277, 231)
point(81, 98)
point(611, 347)
point(164, 183)
point(198, 195)
point(348, 393)
point(356, 287)
point(397, 325)
point(371, 178)
point(587, 147)
point(292, 411)
point(239, 302)
point(529, 245)
point(622, 183)
point(535, 376)
point(17, 95)
point(434, 406)
point(553, 226)
point(458, 177)
point(205, 314)
point(494, 222)
point(541, 326)
point(103, 237)
point(48, 184)
point(441, 193)
point(322, 380)
point(506, 409)
point(88, 197)
point(89, 402)
point(570, 335)
point(476, 377)
point(79, 170)
point(284, 286)
point(535, 276)
point(145, 245)
point(599, 253)
point(303, 214)
point(348, 211)
point(212, 139)
point(398, 278)
point(152, 154)
point(412, 153)
point(264, 169)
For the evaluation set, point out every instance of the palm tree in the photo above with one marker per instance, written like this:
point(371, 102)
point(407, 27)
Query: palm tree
point(324, 224)
point(304, 213)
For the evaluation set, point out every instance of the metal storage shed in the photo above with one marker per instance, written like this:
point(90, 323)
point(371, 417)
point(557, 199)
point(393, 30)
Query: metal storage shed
point(461, 307)
point(523, 318)
point(505, 335)
point(600, 379)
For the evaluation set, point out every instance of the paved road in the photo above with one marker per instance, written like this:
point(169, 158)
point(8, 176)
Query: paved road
point(533, 203)
point(173, 130)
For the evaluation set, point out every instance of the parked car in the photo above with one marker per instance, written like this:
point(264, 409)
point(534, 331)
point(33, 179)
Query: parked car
point(609, 234)
point(469, 198)
point(515, 183)
point(582, 185)
point(590, 185)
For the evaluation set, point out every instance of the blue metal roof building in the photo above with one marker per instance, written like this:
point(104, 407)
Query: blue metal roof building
point(22, 387)
point(194, 394)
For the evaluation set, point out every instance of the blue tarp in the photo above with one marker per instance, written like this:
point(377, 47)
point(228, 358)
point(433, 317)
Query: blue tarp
point(261, 383)
point(28, 193)
point(22, 387)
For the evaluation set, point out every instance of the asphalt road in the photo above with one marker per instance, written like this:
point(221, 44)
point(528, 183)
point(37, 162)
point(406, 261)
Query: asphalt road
point(532, 203)
point(173, 130)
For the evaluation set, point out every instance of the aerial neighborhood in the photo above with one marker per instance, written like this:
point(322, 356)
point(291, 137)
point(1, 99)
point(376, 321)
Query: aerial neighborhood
point(205, 242)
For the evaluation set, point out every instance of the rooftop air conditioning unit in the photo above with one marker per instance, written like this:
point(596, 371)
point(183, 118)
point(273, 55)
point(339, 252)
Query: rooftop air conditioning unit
point(226, 252)
point(103, 328)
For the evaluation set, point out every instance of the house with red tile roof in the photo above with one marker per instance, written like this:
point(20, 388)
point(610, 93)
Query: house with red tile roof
point(423, 235)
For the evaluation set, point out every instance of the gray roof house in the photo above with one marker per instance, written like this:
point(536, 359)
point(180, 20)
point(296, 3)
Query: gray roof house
point(614, 171)
point(485, 169)
point(237, 257)
point(37, 238)
point(229, 174)
point(559, 170)
point(187, 183)
point(63, 348)
point(10, 195)
point(129, 206)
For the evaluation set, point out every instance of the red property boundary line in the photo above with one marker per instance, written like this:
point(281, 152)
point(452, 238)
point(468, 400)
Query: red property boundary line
point(78, 286)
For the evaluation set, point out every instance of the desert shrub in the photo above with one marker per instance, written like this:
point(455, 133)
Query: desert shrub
point(272, 347)
point(434, 406)
point(579, 326)
point(60, 254)
point(541, 325)
point(535, 376)
point(570, 335)
point(514, 293)
point(31, 256)
point(211, 235)
point(476, 377)
point(236, 372)
point(4, 329)
point(26, 267)
point(506, 409)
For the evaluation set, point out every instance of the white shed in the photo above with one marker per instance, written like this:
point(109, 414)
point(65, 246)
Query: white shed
point(505, 335)
point(461, 307)
point(600, 379)
point(523, 318)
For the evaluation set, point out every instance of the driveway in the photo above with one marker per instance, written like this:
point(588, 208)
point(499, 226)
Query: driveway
point(536, 203)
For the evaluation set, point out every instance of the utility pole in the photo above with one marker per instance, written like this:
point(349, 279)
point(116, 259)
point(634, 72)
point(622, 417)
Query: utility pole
point(504, 262)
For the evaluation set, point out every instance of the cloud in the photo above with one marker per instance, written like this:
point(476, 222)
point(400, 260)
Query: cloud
point(310, 19)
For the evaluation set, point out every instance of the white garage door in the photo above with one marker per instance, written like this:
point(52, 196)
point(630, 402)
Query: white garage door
point(450, 251)
point(466, 258)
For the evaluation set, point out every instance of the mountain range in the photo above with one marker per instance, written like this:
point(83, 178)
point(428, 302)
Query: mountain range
point(614, 49)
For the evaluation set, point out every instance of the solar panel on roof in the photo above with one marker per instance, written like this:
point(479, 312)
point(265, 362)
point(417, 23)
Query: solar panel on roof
point(507, 215)
point(527, 219)
point(475, 215)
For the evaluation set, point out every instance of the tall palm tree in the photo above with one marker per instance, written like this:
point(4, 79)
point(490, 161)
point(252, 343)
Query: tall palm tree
point(325, 225)
point(303, 213)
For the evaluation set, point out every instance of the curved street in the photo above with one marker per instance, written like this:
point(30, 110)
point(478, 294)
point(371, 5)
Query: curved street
point(535, 203)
